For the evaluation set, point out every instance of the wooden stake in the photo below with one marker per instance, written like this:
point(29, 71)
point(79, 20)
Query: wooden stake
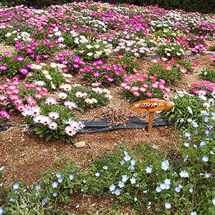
point(151, 115)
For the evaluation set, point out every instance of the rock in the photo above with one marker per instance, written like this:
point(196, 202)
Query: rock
point(80, 144)
point(22, 140)
point(10, 129)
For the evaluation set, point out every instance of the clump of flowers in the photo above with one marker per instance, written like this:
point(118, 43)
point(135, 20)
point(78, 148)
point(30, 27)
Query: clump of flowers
point(49, 77)
point(14, 96)
point(82, 98)
point(130, 64)
point(37, 50)
point(204, 90)
point(93, 50)
point(101, 74)
point(172, 49)
point(15, 65)
point(144, 87)
point(168, 72)
point(53, 120)
point(186, 106)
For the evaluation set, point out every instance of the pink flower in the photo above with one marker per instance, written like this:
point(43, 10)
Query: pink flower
point(20, 107)
point(166, 96)
point(53, 126)
point(96, 74)
point(149, 94)
point(137, 94)
point(195, 64)
point(142, 89)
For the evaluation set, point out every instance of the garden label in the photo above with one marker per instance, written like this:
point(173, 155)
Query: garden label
point(151, 106)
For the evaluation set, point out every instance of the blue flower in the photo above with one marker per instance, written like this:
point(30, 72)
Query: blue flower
point(193, 213)
point(184, 174)
point(97, 174)
point(148, 169)
point(105, 167)
point(117, 192)
point(207, 132)
point(158, 189)
point(60, 180)
point(121, 184)
point(54, 184)
point(186, 144)
point(189, 120)
point(127, 158)
point(213, 201)
point(44, 201)
point(1, 210)
point(155, 147)
point(58, 175)
point(205, 159)
point(16, 186)
point(112, 187)
point(37, 187)
point(177, 189)
point(133, 162)
point(135, 174)
point(202, 143)
point(165, 165)
point(125, 178)
point(135, 199)
point(167, 206)
point(126, 153)
point(122, 162)
point(71, 176)
point(54, 194)
point(133, 180)
point(195, 125)
point(131, 167)
point(12, 200)
point(167, 181)
point(191, 190)
point(187, 134)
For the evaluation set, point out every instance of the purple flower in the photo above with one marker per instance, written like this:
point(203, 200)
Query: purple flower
point(23, 71)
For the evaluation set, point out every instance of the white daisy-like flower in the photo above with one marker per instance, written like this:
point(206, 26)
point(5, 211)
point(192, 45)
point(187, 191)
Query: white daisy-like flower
point(39, 83)
point(62, 95)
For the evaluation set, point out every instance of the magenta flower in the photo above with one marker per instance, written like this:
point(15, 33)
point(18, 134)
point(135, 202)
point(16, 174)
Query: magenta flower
point(137, 94)
point(23, 71)
point(20, 58)
point(149, 94)
point(3, 67)
point(96, 74)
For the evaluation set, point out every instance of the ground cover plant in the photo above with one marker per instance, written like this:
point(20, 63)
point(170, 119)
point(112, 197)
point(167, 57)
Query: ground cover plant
point(66, 64)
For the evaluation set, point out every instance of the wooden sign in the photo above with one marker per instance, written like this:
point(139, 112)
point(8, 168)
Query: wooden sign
point(151, 106)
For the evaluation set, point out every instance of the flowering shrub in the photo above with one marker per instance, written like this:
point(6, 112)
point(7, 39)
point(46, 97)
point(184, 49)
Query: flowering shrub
point(37, 50)
point(137, 48)
point(130, 64)
point(83, 98)
point(53, 120)
point(169, 73)
point(15, 65)
point(208, 74)
point(171, 50)
point(14, 96)
point(93, 50)
point(99, 74)
point(187, 106)
point(144, 88)
point(51, 78)
point(204, 90)
point(74, 64)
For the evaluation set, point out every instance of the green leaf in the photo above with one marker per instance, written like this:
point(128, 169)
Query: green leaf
point(49, 137)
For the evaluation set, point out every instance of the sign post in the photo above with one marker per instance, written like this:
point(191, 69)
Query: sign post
point(151, 106)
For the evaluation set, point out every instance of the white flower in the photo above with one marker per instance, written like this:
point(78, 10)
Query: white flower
point(190, 110)
point(89, 46)
point(90, 54)
point(62, 95)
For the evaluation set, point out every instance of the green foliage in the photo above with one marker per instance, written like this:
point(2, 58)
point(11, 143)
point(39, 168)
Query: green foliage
point(130, 64)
